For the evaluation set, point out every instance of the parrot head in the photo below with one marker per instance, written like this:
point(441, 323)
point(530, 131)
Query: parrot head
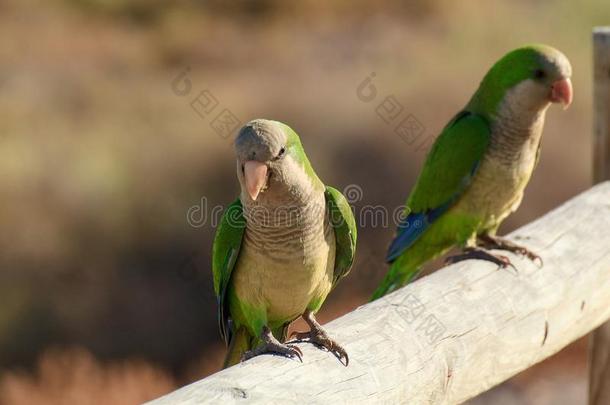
point(271, 161)
point(532, 77)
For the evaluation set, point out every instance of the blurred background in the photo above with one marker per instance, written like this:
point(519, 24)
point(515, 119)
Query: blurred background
point(116, 126)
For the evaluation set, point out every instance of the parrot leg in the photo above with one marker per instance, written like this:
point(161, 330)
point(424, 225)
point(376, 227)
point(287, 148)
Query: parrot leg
point(495, 242)
point(318, 336)
point(480, 254)
point(272, 345)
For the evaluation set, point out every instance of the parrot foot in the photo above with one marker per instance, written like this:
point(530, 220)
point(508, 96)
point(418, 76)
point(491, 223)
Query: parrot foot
point(481, 254)
point(318, 336)
point(272, 345)
point(495, 242)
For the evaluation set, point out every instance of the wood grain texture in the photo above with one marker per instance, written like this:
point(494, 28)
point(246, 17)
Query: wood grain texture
point(599, 351)
point(451, 335)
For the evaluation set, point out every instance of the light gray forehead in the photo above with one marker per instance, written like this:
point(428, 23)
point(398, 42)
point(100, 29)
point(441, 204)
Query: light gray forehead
point(557, 62)
point(260, 132)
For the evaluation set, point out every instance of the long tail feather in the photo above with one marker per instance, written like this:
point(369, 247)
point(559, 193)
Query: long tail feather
point(408, 265)
point(241, 342)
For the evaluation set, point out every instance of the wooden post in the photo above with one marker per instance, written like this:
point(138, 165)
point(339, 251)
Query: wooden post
point(599, 352)
point(601, 104)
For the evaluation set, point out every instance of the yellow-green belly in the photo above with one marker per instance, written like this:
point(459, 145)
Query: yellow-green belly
point(497, 188)
point(267, 291)
point(494, 193)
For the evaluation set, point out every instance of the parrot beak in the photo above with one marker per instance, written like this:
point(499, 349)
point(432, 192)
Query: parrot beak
point(561, 92)
point(255, 174)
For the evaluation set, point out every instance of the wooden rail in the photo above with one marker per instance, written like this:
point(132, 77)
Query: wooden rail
point(451, 335)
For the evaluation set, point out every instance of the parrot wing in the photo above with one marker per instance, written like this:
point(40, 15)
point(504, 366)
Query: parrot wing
point(344, 224)
point(447, 172)
point(225, 251)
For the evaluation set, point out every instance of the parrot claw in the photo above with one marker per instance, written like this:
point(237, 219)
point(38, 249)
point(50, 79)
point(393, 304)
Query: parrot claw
point(480, 254)
point(531, 255)
point(273, 346)
point(537, 261)
point(318, 336)
point(494, 242)
point(290, 351)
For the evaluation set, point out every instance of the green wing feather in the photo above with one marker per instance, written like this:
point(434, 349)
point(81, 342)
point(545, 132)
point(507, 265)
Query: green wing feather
point(225, 251)
point(447, 172)
point(451, 162)
point(344, 224)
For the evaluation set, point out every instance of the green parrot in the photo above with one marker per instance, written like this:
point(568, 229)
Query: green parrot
point(476, 172)
point(280, 248)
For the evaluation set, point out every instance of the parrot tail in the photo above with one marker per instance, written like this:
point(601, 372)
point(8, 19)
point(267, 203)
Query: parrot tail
point(242, 341)
point(408, 265)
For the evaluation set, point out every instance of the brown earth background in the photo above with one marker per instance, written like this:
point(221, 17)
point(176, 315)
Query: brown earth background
point(105, 287)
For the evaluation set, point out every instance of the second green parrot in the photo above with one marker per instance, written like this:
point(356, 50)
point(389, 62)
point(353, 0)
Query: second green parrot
point(476, 172)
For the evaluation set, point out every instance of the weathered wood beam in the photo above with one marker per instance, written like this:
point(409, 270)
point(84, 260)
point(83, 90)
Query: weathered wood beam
point(451, 335)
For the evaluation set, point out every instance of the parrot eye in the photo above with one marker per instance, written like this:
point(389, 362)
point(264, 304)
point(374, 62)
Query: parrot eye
point(281, 153)
point(539, 74)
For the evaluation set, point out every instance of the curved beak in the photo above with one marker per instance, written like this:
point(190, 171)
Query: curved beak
point(255, 175)
point(561, 92)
